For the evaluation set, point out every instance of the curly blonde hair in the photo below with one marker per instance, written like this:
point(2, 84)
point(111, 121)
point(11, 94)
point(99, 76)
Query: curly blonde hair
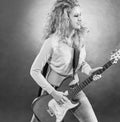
point(59, 18)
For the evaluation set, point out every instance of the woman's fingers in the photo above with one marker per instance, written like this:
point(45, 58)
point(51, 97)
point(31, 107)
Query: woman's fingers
point(64, 98)
point(61, 101)
point(96, 77)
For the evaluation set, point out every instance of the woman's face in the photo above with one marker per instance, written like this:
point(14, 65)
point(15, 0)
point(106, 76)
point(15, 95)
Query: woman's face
point(75, 17)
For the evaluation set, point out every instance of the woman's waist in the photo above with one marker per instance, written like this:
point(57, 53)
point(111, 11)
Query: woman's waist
point(56, 78)
point(62, 69)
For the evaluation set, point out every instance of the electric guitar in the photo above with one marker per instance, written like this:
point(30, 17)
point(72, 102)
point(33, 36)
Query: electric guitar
point(46, 109)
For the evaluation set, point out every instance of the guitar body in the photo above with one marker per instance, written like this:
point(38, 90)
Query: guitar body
point(47, 109)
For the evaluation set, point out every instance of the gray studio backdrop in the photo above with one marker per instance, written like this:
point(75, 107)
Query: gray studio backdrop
point(21, 25)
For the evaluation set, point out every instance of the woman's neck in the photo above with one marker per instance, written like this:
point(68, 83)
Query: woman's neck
point(73, 37)
point(71, 32)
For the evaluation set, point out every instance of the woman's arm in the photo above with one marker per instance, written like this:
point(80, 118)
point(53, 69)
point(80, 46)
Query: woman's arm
point(86, 68)
point(38, 64)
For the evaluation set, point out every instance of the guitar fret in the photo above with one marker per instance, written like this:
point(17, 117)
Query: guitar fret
point(83, 84)
point(107, 65)
point(80, 87)
point(86, 82)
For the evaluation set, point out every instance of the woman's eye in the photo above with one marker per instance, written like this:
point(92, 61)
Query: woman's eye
point(75, 15)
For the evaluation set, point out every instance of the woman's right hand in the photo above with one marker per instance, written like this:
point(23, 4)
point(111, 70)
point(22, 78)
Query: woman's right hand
point(59, 97)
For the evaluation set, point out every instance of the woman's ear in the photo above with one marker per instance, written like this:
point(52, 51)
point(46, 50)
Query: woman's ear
point(66, 13)
point(66, 18)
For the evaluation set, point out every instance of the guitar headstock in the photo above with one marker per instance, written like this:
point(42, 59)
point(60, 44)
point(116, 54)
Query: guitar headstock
point(115, 56)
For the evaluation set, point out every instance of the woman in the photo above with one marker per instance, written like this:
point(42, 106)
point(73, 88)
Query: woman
point(63, 31)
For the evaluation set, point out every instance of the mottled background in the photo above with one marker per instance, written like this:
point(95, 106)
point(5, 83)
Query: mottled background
point(21, 25)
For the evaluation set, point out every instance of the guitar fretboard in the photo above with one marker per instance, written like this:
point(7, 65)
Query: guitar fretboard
point(90, 79)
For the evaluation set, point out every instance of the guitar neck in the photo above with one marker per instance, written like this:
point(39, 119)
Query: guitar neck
point(83, 84)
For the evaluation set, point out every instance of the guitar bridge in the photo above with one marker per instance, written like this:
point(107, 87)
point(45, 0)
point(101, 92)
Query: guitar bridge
point(51, 113)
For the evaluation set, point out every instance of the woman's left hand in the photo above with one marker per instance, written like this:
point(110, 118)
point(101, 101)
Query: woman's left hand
point(96, 77)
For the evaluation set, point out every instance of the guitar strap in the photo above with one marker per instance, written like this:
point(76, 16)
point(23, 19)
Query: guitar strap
point(76, 53)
